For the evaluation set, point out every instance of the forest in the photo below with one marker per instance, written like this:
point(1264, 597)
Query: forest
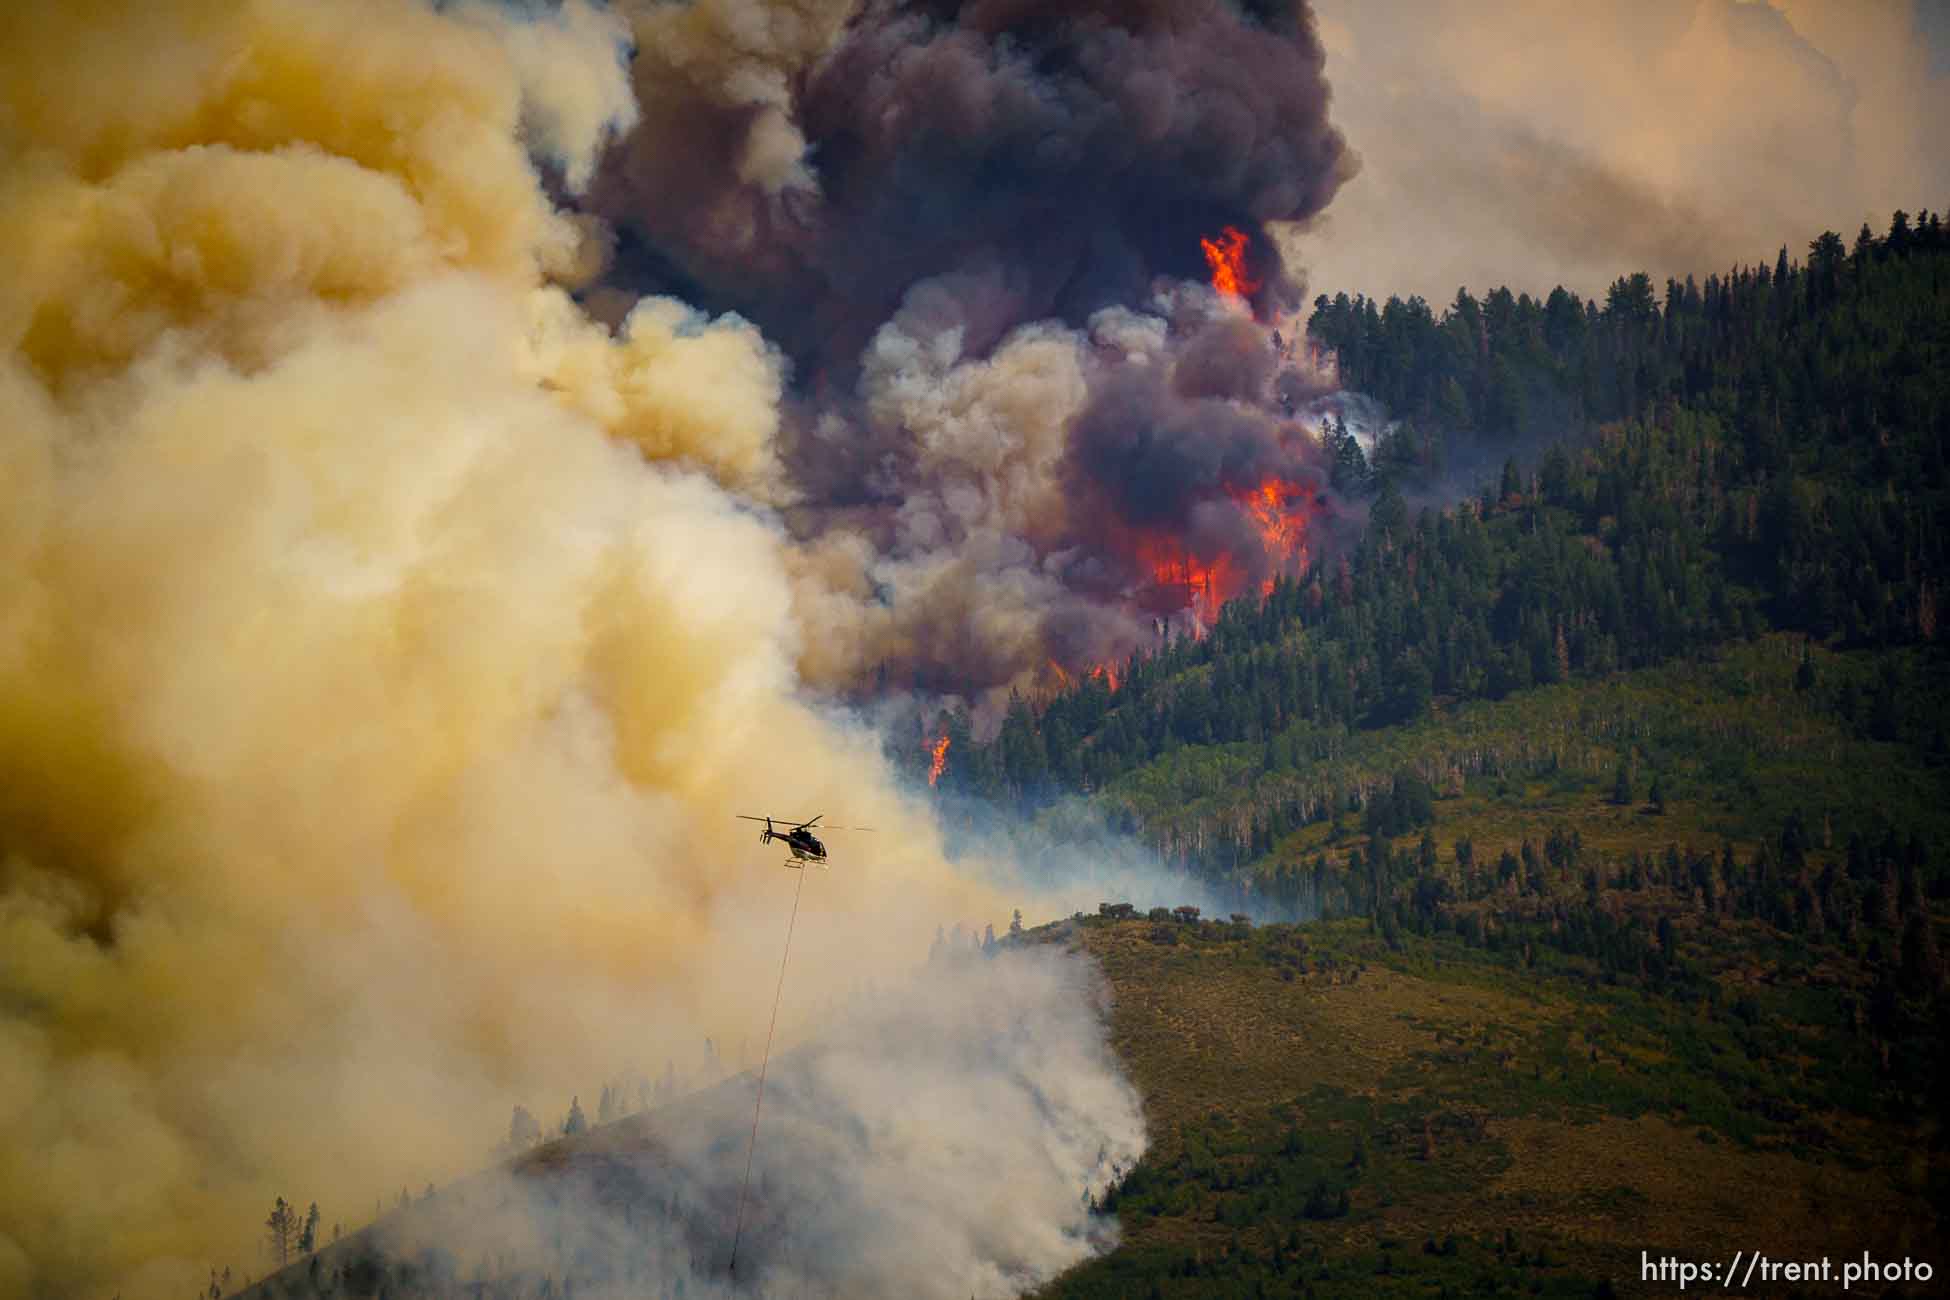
point(1686, 652)
point(1764, 452)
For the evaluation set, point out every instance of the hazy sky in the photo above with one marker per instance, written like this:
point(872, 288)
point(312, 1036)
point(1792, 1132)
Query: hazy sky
point(1531, 142)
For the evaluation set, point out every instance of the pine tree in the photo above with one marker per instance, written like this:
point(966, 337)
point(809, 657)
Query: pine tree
point(1349, 474)
point(575, 1123)
point(281, 1231)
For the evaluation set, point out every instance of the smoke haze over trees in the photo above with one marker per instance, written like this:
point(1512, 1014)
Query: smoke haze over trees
point(1750, 437)
point(1526, 143)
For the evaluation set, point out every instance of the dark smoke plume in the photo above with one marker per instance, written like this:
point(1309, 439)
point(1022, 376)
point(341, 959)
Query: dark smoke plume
point(977, 230)
point(1083, 145)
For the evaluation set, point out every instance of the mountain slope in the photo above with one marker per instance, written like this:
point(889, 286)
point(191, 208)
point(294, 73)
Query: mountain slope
point(1335, 1115)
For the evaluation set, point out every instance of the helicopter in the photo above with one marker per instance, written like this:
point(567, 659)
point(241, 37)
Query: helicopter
point(798, 837)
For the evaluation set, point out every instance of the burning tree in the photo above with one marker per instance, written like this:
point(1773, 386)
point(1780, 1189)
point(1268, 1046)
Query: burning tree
point(1225, 257)
point(937, 758)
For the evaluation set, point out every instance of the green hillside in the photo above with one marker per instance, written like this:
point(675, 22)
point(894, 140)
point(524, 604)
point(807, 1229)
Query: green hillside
point(1337, 1114)
point(1559, 1023)
point(1620, 791)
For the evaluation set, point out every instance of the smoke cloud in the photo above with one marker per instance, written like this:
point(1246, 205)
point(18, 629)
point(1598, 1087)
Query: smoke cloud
point(968, 226)
point(807, 163)
point(1532, 144)
point(1039, 504)
point(942, 1137)
point(385, 647)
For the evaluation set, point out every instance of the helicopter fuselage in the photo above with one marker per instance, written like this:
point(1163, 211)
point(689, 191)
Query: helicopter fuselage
point(805, 845)
point(798, 837)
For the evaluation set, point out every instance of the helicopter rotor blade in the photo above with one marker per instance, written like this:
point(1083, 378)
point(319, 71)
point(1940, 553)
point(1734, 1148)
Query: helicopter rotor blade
point(801, 826)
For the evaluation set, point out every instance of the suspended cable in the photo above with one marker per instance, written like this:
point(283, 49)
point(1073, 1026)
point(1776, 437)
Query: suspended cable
point(764, 1063)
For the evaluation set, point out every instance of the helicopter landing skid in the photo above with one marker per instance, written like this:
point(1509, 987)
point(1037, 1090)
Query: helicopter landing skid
point(796, 865)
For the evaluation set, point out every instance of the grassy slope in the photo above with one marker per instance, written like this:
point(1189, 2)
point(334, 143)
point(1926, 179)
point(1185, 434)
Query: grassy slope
point(1738, 746)
point(1522, 1124)
point(1487, 1096)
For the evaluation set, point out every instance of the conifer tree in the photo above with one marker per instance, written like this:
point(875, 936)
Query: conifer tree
point(281, 1228)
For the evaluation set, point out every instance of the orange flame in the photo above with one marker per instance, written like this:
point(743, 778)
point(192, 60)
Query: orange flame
point(1226, 256)
point(938, 759)
point(1066, 680)
point(1279, 510)
point(1208, 584)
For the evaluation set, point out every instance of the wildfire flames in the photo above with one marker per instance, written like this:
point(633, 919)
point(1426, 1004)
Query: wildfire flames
point(937, 759)
point(1233, 534)
point(1207, 584)
point(1105, 673)
point(1278, 509)
point(1226, 256)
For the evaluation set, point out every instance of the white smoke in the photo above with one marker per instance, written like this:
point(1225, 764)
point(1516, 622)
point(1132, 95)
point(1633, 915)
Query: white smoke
point(385, 648)
point(945, 1135)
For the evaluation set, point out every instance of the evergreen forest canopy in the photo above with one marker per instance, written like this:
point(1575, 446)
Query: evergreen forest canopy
point(1763, 451)
point(1663, 698)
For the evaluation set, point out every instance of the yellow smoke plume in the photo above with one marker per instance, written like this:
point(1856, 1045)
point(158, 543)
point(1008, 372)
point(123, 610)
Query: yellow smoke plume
point(384, 648)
